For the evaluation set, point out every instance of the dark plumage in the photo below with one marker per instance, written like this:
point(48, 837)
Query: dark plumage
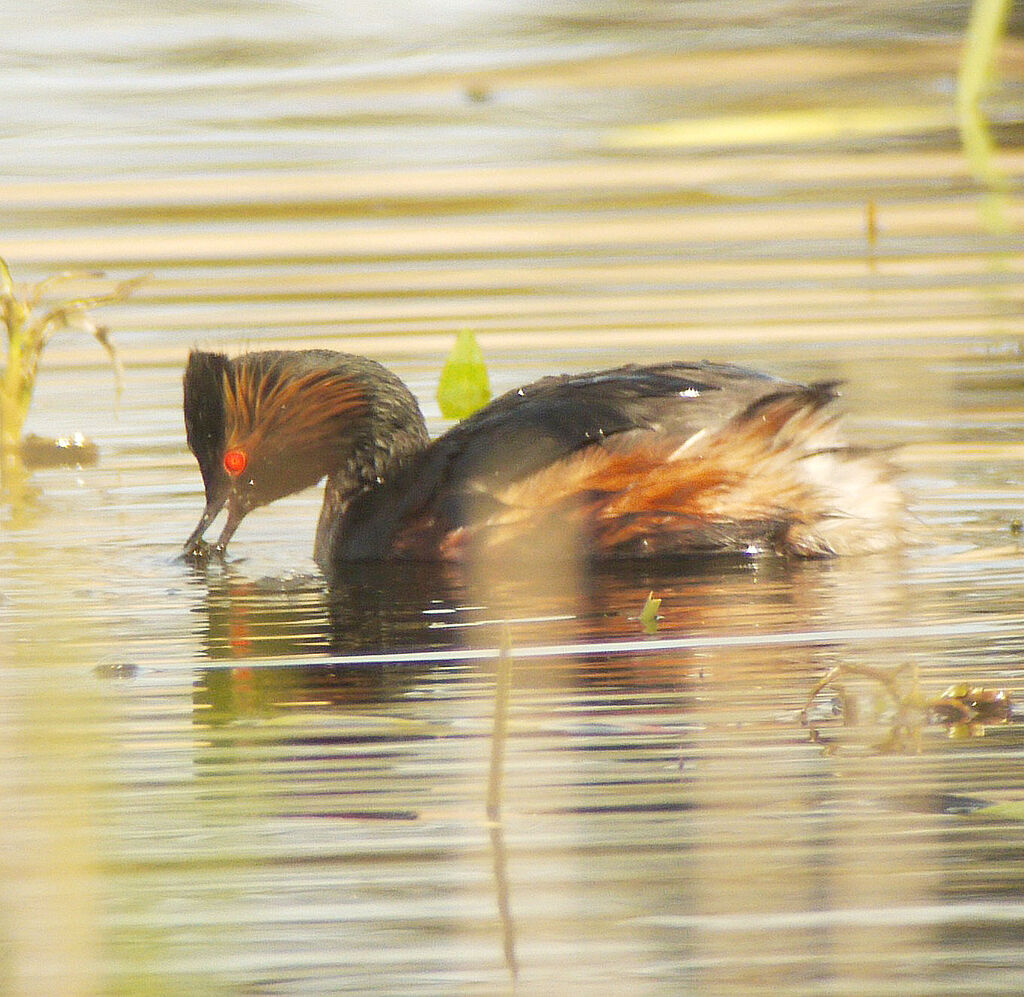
point(668, 459)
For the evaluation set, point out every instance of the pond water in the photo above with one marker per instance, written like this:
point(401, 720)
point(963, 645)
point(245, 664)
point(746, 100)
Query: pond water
point(239, 780)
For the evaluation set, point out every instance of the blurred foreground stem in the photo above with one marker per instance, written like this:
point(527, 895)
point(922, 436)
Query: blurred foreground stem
point(985, 32)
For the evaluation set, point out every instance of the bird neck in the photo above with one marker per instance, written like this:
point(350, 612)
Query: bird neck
point(394, 432)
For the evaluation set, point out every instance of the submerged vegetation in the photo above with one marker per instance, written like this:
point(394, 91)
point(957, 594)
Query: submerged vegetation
point(904, 710)
point(32, 315)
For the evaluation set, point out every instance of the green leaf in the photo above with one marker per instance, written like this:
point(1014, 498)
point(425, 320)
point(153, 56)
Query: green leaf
point(649, 614)
point(464, 386)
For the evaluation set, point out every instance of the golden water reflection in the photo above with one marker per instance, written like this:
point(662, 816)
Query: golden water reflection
point(256, 755)
point(241, 780)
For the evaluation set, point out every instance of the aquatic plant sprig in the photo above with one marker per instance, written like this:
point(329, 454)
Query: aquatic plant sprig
point(464, 386)
point(30, 326)
point(649, 617)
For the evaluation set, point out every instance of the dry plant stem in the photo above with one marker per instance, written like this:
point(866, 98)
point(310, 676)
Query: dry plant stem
point(29, 328)
point(901, 685)
point(15, 313)
point(889, 680)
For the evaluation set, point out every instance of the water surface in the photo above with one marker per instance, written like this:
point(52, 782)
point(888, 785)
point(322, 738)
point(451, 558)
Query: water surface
point(243, 781)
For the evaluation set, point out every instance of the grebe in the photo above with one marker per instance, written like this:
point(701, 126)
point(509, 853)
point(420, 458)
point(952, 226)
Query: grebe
point(639, 461)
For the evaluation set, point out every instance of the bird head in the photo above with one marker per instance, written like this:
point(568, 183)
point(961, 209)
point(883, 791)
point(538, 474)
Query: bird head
point(265, 425)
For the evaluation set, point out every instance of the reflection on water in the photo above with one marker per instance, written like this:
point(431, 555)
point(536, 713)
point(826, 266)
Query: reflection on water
point(284, 785)
point(664, 807)
point(243, 781)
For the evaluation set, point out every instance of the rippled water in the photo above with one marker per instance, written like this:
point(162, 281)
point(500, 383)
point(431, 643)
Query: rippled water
point(239, 781)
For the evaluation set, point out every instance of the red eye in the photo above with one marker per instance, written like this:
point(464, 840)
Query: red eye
point(235, 462)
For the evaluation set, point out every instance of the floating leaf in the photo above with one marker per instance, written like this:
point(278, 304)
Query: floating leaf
point(971, 707)
point(464, 386)
point(1002, 811)
point(649, 614)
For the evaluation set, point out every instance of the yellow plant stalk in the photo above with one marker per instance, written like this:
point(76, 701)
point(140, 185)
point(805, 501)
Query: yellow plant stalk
point(29, 327)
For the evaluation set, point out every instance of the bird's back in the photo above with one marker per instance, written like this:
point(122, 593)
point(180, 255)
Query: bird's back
point(662, 460)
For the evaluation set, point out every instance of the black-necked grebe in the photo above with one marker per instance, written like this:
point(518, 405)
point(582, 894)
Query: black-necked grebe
point(661, 460)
